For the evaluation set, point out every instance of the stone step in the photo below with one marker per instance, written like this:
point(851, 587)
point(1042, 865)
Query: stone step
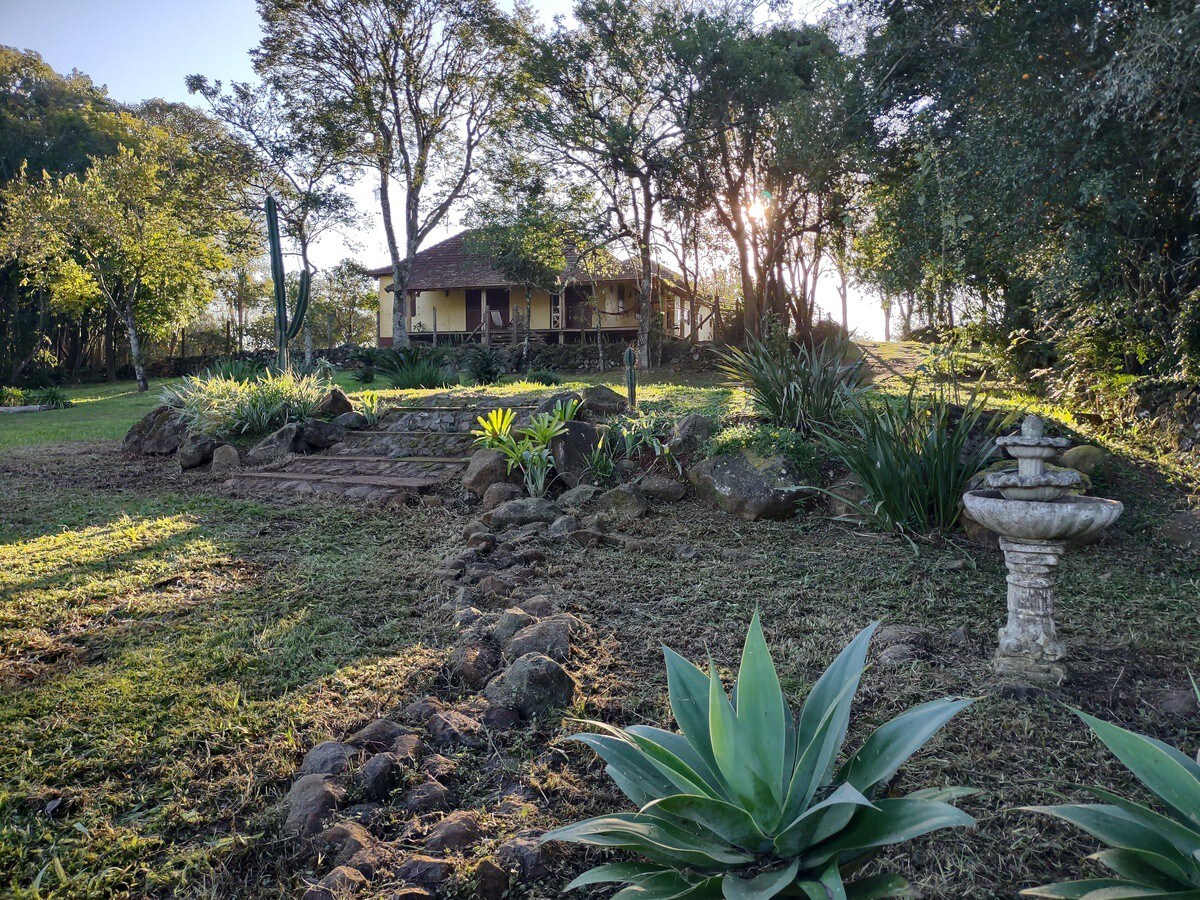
point(368, 458)
point(411, 484)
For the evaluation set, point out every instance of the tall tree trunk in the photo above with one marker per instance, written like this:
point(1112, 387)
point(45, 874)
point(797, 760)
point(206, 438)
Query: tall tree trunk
point(308, 342)
point(528, 326)
point(400, 267)
point(135, 350)
point(110, 344)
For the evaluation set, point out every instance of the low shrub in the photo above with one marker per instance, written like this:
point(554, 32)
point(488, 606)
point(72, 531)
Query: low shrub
point(795, 385)
point(414, 368)
point(747, 800)
point(542, 376)
point(12, 396)
point(236, 369)
point(484, 365)
point(50, 397)
point(914, 457)
point(767, 441)
point(371, 406)
point(224, 406)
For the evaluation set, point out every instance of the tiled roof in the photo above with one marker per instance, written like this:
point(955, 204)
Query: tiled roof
point(454, 263)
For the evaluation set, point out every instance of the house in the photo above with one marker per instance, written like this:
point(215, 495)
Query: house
point(456, 292)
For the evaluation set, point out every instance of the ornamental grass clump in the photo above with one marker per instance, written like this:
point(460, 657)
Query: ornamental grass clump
point(1151, 853)
point(797, 386)
point(414, 368)
point(749, 801)
point(914, 458)
point(223, 406)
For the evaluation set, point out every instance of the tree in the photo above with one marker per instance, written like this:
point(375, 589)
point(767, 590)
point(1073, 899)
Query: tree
point(607, 114)
point(346, 301)
point(527, 223)
point(131, 233)
point(411, 90)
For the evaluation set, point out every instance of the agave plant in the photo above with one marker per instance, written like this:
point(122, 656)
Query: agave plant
point(1151, 854)
point(749, 801)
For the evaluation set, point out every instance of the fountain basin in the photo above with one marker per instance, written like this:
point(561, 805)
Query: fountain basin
point(1068, 518)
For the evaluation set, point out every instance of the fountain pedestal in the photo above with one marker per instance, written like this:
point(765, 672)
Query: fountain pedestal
point(1029, 645)
point(1035, 514)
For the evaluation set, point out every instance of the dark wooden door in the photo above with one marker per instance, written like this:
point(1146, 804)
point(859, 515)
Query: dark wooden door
point(499, 301)
point(579, 306)
point(474, 309)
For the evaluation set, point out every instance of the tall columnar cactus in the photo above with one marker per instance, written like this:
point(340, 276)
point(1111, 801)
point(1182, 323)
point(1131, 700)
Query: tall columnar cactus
point(286, 327)
point(631, 376)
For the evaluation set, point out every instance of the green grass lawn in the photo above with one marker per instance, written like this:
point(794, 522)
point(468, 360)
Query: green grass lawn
point(101, 412)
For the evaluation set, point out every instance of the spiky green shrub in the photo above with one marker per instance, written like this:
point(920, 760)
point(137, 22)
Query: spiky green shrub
point(1151, 853)
point(767, 441)
point(224, 406)
point(797, 386)
point(542, 376)
point(914, 458)
point(372, 407)
point(484, 365)
point(50, 397)
point(749, 801)
point(236, 369)
point(414, 368)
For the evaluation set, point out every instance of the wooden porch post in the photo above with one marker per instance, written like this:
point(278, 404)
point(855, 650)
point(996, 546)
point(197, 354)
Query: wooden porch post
point(435, 326)
point(487, 317)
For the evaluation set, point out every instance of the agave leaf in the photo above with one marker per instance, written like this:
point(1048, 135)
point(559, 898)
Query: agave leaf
point(824, 720)
point(688, 689)
point(1076, 890)
point(892, 743)
point(829, 887)
point(676, 888)
point(656, 839)
point(878, 887)
point(761, 710)
point(671, 767)
point(735, 758)
point(678, 745)
point(1118, 828)
point(760, 887)
point(821, 821)
point(1141, 866)
point(946, 794)
point(889, 822)
point(619, 872)
point(729, 822)
point(1167, 775)
point(630, 761)
point(1182, 839)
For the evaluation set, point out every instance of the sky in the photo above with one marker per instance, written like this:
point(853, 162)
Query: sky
point(142, 49)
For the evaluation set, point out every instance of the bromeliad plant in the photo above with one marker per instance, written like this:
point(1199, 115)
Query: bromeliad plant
point(1151, 854)
point(528, 448)
point(748, 801)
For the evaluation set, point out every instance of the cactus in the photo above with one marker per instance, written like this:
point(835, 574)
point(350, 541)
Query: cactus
point(631, 376)
point(286, 328)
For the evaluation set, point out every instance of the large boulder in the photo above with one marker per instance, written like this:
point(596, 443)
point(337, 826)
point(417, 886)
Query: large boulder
point(351, 421)
point(158, 433)
point(550, 403)
point(534, 685)
point(662, 490)
point(288, 439)
point(321, 435)
point(195, 450)
point(571, 449)
point(333, 404)
point(522, 512)
point(1090, 460)
point(749, 487)
point(499, 493)
point(225, 460)
point(622, 504)
point(601, 401)
point(691, 433)
point(487, 467)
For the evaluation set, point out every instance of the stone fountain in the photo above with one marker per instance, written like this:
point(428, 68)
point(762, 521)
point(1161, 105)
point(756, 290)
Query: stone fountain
point(1036, 515)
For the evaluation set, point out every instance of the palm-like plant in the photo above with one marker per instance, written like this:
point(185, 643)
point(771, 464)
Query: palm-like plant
point(748, 801)
point(801, 388)
point(1151, 854)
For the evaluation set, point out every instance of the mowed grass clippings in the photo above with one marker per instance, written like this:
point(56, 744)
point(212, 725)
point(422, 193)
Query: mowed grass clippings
point(167, 659)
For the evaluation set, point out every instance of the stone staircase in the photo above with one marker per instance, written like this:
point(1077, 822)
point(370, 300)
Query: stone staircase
point(415, 449)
